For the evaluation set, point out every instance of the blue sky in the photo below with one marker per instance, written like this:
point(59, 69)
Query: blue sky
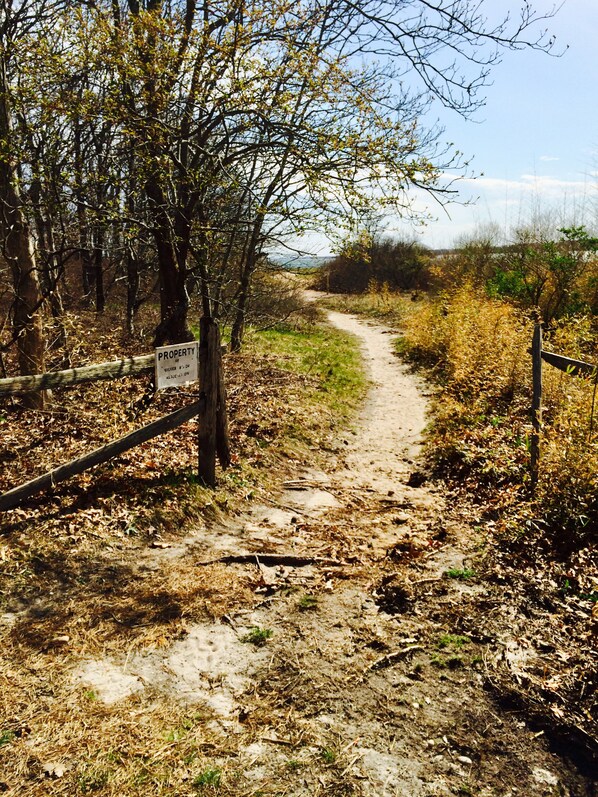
point(535, 143)
point(533, 146)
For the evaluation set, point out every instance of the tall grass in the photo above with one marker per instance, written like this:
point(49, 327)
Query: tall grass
point(476, 349)
point(569, 486)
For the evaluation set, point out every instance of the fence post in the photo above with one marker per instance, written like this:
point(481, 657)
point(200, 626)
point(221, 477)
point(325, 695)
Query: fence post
point(208, 394)
point(213, 420)
point(222, 437)
point(536, 405)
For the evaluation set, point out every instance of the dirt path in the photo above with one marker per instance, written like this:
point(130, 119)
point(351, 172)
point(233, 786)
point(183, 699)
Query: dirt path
point(389, 434)
point(362, 668)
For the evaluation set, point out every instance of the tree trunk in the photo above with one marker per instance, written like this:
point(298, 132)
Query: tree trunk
point(132, 289)
point(244, 290)
point(27, 319)
point(98, 266)
point(242, 300)
point(87, 270)
point(18, 251)
point(174, 299)
point(49, 270)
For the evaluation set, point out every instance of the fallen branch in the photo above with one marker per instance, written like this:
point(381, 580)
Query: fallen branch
point(300, 484)
point(390, 658)
point(272, 559)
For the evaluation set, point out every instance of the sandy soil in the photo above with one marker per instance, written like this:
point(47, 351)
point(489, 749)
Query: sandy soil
point(369, 671)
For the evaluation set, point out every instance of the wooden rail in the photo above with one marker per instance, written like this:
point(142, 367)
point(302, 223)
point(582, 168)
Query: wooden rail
point(130, 366)
point(570, 366)
point(19, 494)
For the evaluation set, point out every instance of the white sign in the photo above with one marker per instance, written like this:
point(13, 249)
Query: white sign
point(177, 365)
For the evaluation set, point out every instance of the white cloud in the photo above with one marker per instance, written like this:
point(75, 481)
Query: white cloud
point(543, 186)
point(548, 158)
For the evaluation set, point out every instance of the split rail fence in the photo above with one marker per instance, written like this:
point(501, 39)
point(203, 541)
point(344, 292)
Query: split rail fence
point(566, 364)
point(213, 440)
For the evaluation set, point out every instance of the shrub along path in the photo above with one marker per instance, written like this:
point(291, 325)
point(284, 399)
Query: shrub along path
point(364, 654)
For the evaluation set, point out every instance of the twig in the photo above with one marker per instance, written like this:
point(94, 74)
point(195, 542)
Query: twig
point(352, 763)
point(302, 484)
point(294, 509)
point(387, 660)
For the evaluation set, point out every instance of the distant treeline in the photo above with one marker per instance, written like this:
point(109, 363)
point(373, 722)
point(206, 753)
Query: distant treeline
point(556, 274)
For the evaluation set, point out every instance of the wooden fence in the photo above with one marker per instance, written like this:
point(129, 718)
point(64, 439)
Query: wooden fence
point(131, 366)
point(213, 438)
point(566, 364)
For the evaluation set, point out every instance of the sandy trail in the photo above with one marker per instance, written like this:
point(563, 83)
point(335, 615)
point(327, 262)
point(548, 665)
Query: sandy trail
point(388, 439)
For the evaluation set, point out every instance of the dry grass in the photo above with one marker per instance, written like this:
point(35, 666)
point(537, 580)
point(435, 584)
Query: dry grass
point(143, 745)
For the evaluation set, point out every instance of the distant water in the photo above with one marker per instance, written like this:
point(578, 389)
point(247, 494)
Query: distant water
point(291, 261)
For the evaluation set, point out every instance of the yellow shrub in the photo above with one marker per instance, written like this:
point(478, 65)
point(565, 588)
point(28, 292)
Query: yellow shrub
point(478, 344)
point(480, 349)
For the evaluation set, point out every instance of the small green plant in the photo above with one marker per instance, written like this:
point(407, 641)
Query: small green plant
point(460, 573)
point(187, 724)
point(6, 737)
point(308, 602)
point(450, 644)
point(258, 636)
point(453, 641)
point(328, 755)
point(93, 779)
point(210, 777)
point(293, 764)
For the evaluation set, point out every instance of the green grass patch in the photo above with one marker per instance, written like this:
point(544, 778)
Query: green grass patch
point(258, 636)
point(460, 573)
point(209, 778)
point(453, 641)
point(308, 603)
point(331, 357)
point(6, 737)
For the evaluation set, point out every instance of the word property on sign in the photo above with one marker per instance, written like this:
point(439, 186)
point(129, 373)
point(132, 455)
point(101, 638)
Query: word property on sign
point(177, 365)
